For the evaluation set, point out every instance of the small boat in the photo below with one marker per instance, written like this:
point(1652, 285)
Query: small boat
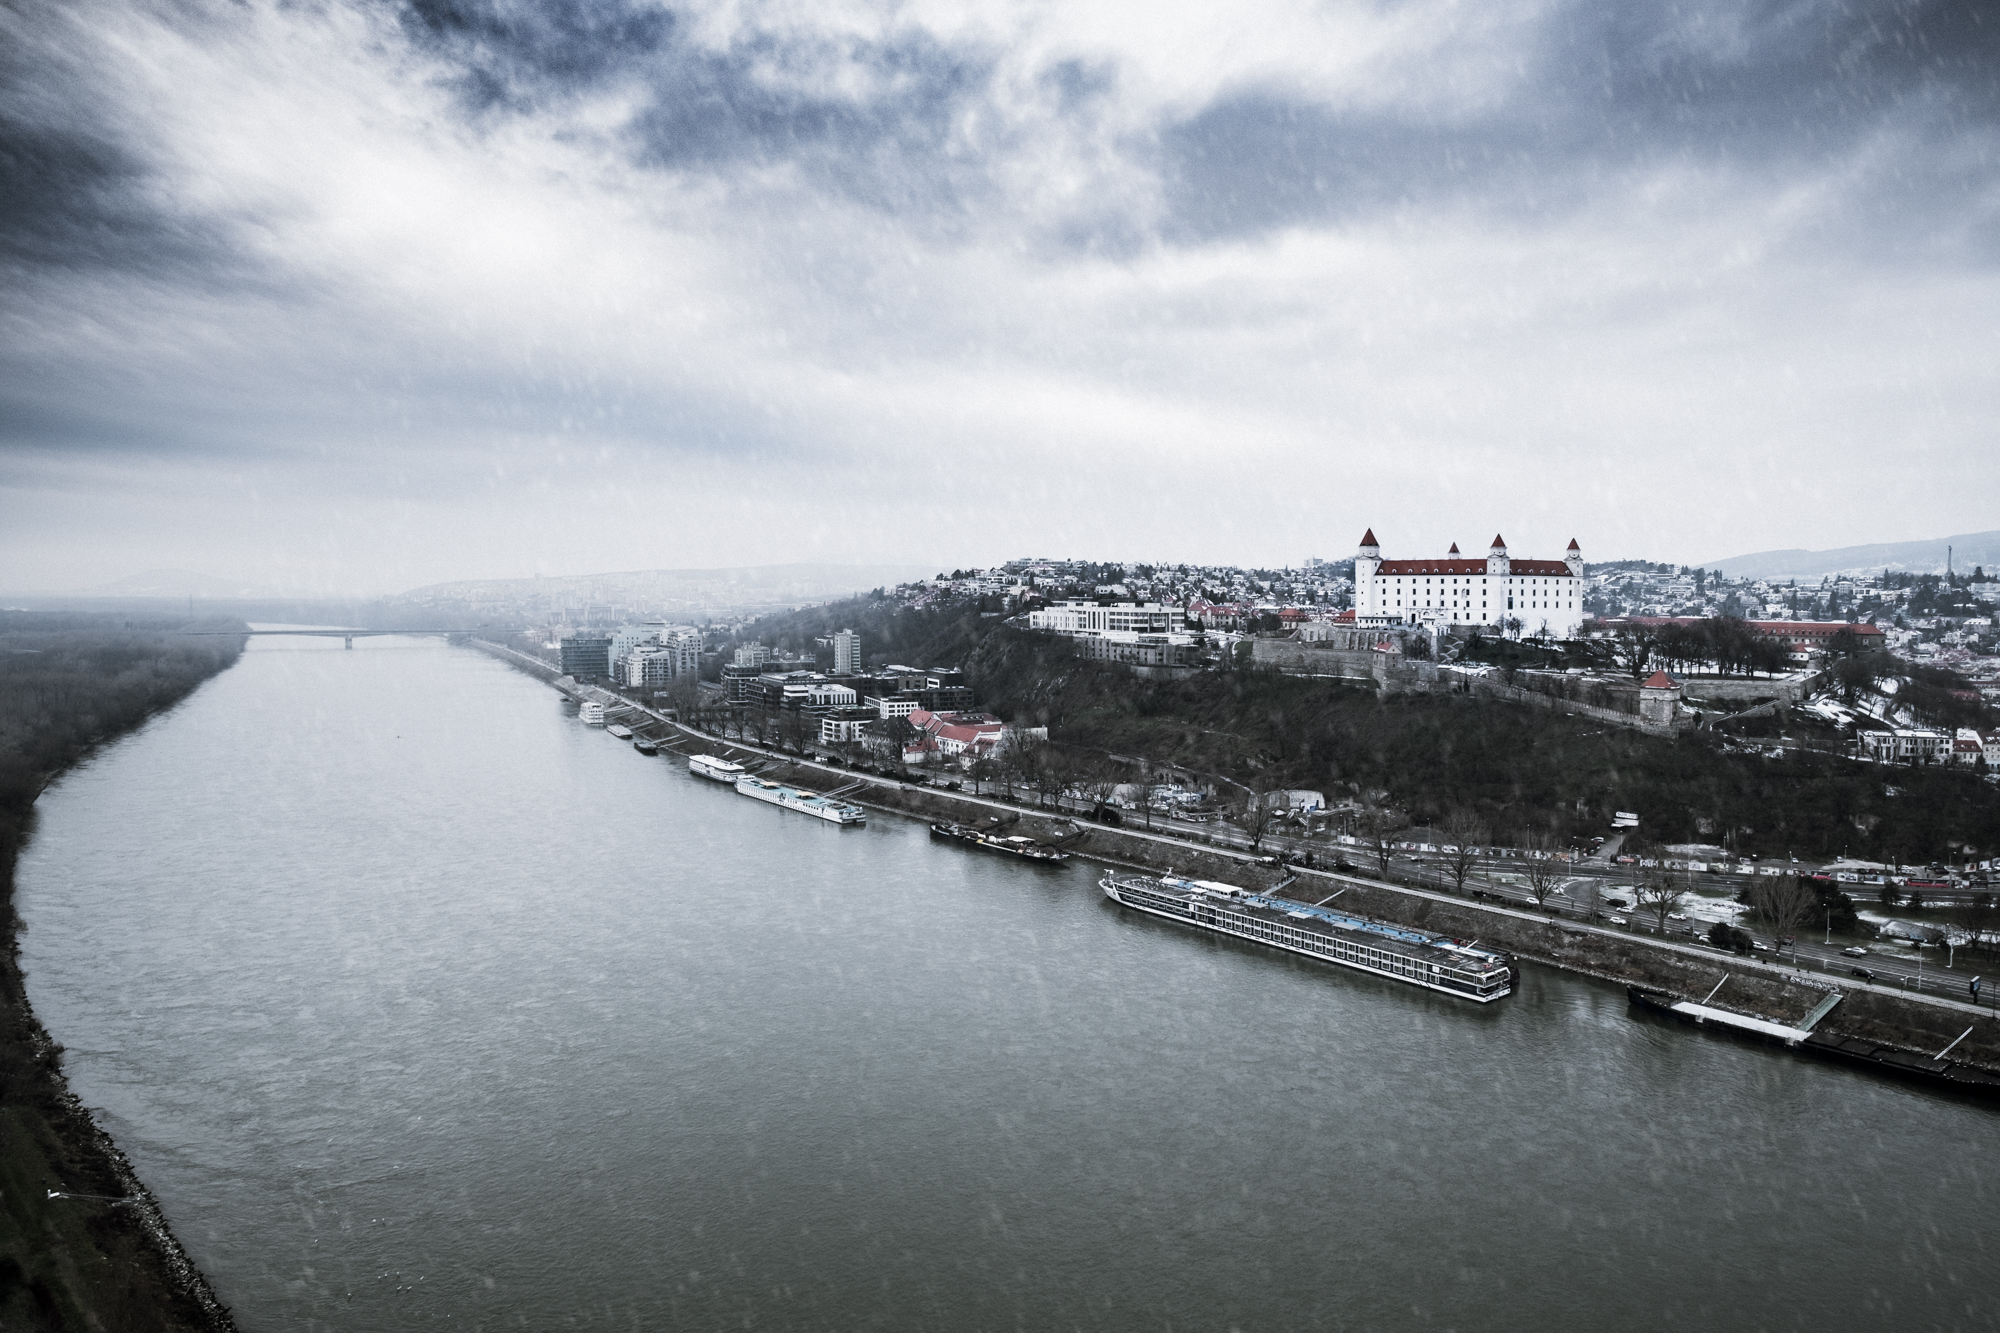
point(645, 745)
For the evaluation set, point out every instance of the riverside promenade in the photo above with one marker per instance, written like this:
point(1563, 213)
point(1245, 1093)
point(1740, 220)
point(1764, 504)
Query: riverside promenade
point(1918, 1022)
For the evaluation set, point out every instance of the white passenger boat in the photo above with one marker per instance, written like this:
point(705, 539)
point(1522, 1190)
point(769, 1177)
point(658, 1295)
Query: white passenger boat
point(1401, 953)
point(591, 714)
point(709, 766)
point(801, 800)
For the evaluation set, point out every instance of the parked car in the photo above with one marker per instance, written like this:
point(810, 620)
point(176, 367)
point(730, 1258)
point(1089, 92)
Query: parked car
point(1856, 952)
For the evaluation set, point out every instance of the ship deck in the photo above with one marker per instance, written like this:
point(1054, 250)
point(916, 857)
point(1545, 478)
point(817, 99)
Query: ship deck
point(1415, 955)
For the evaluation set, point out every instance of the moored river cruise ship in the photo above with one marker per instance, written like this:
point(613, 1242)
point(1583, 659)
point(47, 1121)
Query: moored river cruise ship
point(801, 800)
point(1435, 962)
point(709, 766)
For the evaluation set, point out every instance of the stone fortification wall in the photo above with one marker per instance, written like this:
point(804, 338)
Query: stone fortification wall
point(1787, 689)
point(1392, 673)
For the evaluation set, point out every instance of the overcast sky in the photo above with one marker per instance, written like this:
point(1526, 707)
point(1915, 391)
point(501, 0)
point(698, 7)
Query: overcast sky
point(360, 296)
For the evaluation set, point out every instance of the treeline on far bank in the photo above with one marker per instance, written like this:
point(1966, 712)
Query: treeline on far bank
point(1510, 767)
point(69, 681)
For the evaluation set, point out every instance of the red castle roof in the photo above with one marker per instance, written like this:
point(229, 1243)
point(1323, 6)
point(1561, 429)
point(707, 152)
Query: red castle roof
point(1573, 546)
point(1660, 680)
point(1453, 550)
point(1462, 566)
point(1368, 538)
point(1499, 542)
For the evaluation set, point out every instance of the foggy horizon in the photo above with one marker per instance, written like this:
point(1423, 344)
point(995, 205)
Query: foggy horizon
point(349, 299)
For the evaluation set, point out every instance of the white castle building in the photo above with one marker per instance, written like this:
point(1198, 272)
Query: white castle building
point(1543, 596)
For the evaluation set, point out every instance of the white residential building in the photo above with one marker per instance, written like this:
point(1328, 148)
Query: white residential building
point(1079, 618)
point(657, 656)
point(1544, 596)
point(846, 653)
point(1906, 745)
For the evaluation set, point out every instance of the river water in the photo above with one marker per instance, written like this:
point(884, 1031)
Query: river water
point(418, 1004)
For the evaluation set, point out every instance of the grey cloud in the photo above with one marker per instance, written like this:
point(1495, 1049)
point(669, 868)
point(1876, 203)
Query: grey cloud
point(887, 145)
point(1606, 89)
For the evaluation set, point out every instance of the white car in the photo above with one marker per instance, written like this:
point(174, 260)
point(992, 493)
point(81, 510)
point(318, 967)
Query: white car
point(1856, 952)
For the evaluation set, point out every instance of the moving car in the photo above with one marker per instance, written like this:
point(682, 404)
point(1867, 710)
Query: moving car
point(1856, 952)
point(1864, 974)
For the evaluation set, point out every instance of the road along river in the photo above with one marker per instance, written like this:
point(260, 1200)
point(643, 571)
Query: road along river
point(418, 1003)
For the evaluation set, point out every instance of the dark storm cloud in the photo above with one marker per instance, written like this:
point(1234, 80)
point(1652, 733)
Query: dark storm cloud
point(75, 195)
point(70, 200)
point(882, 139)
point(1607, 89)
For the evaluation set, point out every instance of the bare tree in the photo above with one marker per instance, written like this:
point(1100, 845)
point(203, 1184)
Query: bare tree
point(1633, 648)
point(1543, 871)
point(1142, 797)
point(1377, 830)
point(1465, 837)
point(1256, 812)
point(1656, 892)
point(1783, 901)
point(984, 769)
point(1097, 779)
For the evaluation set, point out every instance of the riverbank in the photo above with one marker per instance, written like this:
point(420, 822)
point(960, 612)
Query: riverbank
point(1915, 1023)
point(83, 1243)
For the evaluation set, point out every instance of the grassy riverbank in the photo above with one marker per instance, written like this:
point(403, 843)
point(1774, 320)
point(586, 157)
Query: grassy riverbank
point(68, 684)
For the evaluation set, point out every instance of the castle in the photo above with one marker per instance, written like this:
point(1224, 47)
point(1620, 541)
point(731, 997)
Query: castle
point(1512, 596)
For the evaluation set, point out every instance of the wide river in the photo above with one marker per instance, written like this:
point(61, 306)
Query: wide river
point(419, 1004)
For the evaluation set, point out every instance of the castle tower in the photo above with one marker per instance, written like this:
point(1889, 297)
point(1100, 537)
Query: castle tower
point(1496, 558)
point(1574, 560)
point(1368, 559)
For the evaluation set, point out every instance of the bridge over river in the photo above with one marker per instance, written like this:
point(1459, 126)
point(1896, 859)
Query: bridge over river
point(348, 634)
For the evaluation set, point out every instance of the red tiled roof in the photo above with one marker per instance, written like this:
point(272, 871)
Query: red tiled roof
point(1463, 566)
point(1660, 680)
point(1433, 567)
point(1499, 542)
point(1573, 546)
point(1368, 538)
point(1453, 550)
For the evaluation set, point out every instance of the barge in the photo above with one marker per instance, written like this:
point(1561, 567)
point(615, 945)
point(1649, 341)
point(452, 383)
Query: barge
point(1934, 1070)
point(801, 800)
point(622, 733)
point(1010, 845)
point(1381, 948)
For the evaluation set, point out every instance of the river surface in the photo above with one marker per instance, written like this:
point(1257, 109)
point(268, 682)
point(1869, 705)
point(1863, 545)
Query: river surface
point(418, 1004)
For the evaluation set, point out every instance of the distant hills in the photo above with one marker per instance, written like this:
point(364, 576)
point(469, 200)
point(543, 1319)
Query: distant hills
point(1926, 557)
point(670, 591)
point(181, 583)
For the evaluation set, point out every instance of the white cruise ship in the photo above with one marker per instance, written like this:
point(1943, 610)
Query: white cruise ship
point(591, 714)
point(708, 766)
point(801, 800)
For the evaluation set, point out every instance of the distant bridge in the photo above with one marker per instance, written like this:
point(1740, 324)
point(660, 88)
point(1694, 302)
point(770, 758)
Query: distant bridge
point(348, 634)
